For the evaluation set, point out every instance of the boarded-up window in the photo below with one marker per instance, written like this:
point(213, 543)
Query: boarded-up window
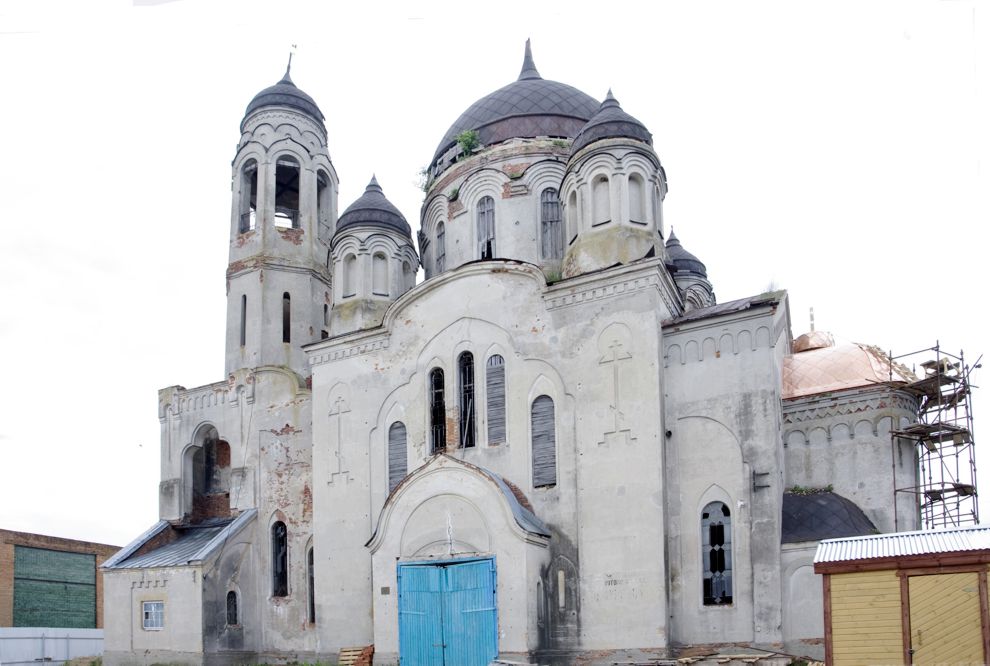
point(323, 205)
point(486, 228)
point(637, 202)
point(495, 391)
point(396, 454)
point(280, 560)
point(438, 412)
point(601, 201)
point(349, 287)
point(379, 275)
point(551, 227)
point(54, 588)
point(465, 380)
point(716, 554)
point(544, 442)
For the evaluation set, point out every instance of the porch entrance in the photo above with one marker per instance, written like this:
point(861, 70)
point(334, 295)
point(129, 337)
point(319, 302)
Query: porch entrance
point(447, 613)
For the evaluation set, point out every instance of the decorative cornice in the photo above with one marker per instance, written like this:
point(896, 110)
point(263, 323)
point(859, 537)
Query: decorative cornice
point(613, 282)
point(847, 403)
point(326, 356)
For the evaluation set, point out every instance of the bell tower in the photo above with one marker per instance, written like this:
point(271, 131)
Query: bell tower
point(284, 208)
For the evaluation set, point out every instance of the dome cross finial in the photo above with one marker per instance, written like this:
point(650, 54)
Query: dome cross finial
point(529, 67)
point(288, 67)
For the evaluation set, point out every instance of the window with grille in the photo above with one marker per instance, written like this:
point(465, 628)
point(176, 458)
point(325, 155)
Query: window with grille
point(486, 228)
point(544, 442)
point(716, 554)
point(551, 227)
point(465, 380)
point(495, 393)
point(438, 416)
point(232, 608)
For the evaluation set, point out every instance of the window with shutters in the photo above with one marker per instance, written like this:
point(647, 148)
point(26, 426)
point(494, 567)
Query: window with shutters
point(716, 554)
point(280, 560)
point(396, 454)
point(232, 609)
point(544, 442)
point(551, 227)
point(486, 228)
point(441, 249)
point(465, 381)
point(495, 393)
point(438, 415)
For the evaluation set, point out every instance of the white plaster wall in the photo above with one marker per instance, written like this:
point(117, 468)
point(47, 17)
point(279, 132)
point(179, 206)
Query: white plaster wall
point(803, 607)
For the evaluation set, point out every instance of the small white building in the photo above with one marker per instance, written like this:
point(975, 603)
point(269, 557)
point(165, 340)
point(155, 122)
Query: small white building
point(557, 444)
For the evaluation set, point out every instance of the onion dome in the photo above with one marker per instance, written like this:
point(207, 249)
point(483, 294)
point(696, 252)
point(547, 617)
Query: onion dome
point(611, 122)
point(373, 209)
point(683, 260)
point(819, 365)
point(527, 108)
point(285, 93)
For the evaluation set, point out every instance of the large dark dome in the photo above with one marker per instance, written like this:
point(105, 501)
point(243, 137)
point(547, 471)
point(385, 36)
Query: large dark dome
point(285, 93)
point(527, 108)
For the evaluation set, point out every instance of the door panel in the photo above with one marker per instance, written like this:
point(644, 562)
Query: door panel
point(945, 619)
point(420, 626)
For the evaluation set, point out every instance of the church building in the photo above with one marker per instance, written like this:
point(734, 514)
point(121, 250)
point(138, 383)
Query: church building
point(556, 446)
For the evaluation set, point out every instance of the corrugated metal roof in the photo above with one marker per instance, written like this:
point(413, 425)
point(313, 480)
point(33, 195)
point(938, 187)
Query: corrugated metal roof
point(900, 544)
point(194, 544)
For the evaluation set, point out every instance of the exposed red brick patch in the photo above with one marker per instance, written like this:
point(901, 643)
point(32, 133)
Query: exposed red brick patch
point(285, 430)
point(294, 236)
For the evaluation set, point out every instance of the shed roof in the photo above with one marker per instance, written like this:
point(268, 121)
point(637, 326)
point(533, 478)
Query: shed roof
point(904, 544)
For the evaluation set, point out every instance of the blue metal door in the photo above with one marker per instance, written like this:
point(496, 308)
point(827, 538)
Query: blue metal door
point(447, 613)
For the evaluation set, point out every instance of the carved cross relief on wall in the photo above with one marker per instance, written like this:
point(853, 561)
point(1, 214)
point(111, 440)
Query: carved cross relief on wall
point(614, 357)
point(339, 420)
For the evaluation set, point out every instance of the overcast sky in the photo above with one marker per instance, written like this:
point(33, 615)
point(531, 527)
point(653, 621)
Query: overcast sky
point(839, 150)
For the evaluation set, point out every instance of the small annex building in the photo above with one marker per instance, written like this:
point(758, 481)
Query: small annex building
point(908, 597)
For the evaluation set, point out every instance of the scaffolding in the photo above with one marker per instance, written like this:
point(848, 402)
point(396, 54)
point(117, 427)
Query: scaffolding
point(943, 439)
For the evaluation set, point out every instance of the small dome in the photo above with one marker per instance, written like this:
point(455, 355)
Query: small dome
point(372, 208)
point(527, 108)
point(835, 367)
point(609, 123)
point(285, 93)
point(683, 260)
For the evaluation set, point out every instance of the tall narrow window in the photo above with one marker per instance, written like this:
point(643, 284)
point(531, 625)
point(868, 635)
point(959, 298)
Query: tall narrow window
point(280, 560)
point(326, 314)
point(396, 454)
point(486, 227)
point(601, 201)
point(544, 442)
point(465, 381)
point(637, 202)
point(310, 587)
point(248, 208)
point(243, 319)
point(379, 275)
point(323, 205)
point(286, 318)
point(441, 250)
point(350, 276)
point(495, 393)
point(438, 412)
point(407, 277)
point(232, 609)
point(551, 228)
point(287, 192)
point(573, 219)
point(716, 554)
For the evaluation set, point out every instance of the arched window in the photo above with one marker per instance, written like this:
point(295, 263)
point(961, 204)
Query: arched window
point(438, 412)
point(326, 314)
point(544, 442)
point(287, 192)
point(637, 203)
point(440, 253)
point(551, 227)
point(280, 560)
point(323, 205)
point(243, 319)
point(495, 393)
point(573, 219)
point(232, 609)
point(310, 588)
point(716, 554)
point(465, 381)
point(486, 228)
point(248, 208)
point(601, 201)
point(379, 274)
point(286, 317)
point(350, 276)
point(396, 454)
point(408, 279)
